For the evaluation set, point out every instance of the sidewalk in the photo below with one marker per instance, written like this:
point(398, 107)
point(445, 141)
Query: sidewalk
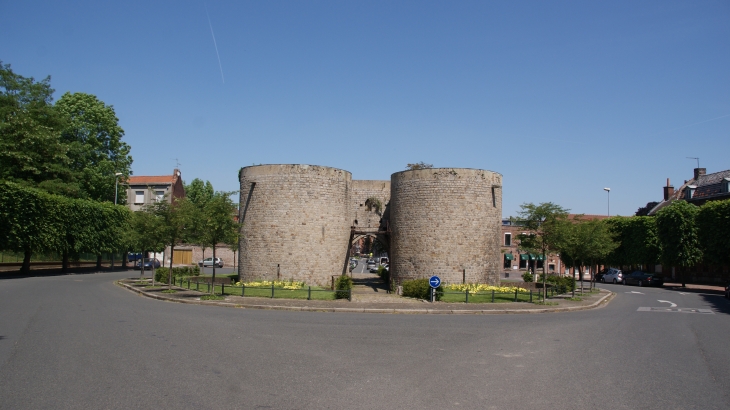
point(390, 304)
point(695, 288)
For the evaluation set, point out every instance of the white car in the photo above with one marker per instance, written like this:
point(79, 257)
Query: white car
point(613, 276)
point(209, 262)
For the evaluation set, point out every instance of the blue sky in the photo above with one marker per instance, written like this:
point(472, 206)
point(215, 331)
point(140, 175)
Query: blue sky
point(562, 98)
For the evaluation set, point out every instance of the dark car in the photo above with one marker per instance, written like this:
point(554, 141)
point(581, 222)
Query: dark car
point(640, 278)
point(727, 291)
point(149, 264)
point(133, 257)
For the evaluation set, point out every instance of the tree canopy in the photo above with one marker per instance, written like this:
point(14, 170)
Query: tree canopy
point(95, 149)
point(713, 229)
point(678, 235)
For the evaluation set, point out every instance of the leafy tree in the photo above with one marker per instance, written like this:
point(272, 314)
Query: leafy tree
point(199, 192)
point(218, 224)
point(543, 225)
point(172, 219)
point(96, 151)
point(678, 235)
point(637, 238)
point(144, 234)
point(713, 228)
point(419, 165)
point(31, 151)
point(582, 242)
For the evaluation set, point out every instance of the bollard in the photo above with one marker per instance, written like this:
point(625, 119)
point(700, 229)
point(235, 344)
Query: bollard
point(530, 295)
point(208, 287)
point(197, 286)
point(515, 294)
point(272, 290)
point(349, 295)
point(223, 288)
point(467, 296)
point(492, 296)
point(243, 290)
point(309, 293)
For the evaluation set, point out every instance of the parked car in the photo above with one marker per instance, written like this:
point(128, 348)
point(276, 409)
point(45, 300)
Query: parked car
point(644, 279)
point(149, 264)
point(612, 275)
point(209, 262)
point(727, 291)
point(133, 257)
point(383, 260)
point(372, 267)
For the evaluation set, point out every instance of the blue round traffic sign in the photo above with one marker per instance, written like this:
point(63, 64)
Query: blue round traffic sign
point(435, 281)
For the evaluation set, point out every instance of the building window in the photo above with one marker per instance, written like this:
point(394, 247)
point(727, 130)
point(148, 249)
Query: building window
point(160, 195)
point(507, 261)
point(508, 239)
point(523, 262)
point(551, 267)
point(138, 197)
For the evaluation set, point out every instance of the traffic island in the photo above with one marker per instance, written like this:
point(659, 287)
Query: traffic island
point(386, 305)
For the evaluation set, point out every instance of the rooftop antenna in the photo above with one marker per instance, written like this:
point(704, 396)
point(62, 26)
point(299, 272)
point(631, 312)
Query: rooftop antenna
point(698, 160)
point(177, 163)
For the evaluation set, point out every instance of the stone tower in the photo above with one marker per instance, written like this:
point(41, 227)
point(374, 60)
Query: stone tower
point(446, 222)
point(295, 222)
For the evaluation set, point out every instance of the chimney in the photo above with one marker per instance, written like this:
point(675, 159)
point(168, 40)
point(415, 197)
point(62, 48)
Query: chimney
point(668, 191)
point(699, 172)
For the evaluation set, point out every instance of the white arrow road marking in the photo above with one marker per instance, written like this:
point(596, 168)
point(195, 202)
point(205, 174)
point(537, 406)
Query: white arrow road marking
point(635, 292)
point(666, 301)
point(683, 293)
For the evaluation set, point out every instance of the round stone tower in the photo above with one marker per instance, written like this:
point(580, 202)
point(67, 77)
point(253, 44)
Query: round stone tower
point(446, 222)
point(295, 222)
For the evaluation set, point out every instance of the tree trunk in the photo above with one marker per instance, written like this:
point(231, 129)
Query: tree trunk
point(169, 274)
point(681, 274)
point(98, 262)
point(580, 275)
point(64, 261)
point(141, 268)
point(125, 256)
point(213, 280)
point(25, 268)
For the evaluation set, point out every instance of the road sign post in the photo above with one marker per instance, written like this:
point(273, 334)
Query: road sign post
point(435, 282)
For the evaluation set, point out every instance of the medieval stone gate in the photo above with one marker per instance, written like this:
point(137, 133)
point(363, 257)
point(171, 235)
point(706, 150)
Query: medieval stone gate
point(302, 219)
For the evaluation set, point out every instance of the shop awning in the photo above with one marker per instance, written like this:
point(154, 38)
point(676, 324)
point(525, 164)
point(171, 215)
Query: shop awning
point(508, 256)
point(524, 257)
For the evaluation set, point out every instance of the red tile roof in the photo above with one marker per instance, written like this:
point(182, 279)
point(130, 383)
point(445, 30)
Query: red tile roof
point(142, 180)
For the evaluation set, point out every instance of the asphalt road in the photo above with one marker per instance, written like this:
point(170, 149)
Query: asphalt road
point(79, 341)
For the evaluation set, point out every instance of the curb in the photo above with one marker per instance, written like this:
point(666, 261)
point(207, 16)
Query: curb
point(597, 304)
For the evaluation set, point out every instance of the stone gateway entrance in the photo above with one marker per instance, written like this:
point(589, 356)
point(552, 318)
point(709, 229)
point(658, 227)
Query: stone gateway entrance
point(299, 221)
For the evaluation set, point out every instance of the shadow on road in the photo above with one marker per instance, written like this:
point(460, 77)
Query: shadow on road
point(718, 302)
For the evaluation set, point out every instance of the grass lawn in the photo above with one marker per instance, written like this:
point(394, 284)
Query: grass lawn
point(458, 297)
point(318, 293)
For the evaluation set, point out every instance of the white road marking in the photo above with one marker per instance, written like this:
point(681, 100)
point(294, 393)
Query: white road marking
point(683, 293)
point(675, 310)
point(666, 301)
point(633, 291)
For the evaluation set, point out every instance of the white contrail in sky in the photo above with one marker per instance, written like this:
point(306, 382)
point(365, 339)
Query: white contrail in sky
point(214, 43)
point(690, 125)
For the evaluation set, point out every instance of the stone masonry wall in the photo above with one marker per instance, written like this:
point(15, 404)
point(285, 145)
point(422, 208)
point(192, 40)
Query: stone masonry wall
point(296, 216)
point(445, 220)
point(361, 191)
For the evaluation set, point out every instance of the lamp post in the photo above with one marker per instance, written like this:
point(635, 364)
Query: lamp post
point(116, 190)
point(608, 200)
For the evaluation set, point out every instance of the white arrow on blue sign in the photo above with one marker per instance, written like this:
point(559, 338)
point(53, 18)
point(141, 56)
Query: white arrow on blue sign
point(435, 281)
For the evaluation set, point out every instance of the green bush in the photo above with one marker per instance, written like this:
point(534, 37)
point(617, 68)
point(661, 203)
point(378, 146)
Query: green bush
point(527, 277)
point(384, 274)
point(566, 282)
point(177, 272)
point(342, 285)
point(420, 289)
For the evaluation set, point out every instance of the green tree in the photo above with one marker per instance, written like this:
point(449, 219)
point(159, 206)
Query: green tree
point(31, 151)
point(637, 238)
point(199, 192)
point(172, 219)
point(94, 144)
point(218, 223)
point(713, 228)
point(144, 234)
point(584, 242)
point(544, 227)
point(678, 235)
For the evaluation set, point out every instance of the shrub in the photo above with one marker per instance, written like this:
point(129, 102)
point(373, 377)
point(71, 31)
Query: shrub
point(161, 273)
point(342, 285)
point(527, 277)
point(233, 278)
point(420, 289)
point(566, 282)
point(384, 274)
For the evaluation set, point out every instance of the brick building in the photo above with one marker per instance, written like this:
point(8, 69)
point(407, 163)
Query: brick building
point(146, 190)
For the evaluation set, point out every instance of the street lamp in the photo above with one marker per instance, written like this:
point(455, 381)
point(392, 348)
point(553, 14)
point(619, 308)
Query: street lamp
point(116, 190)
point(608, 200)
